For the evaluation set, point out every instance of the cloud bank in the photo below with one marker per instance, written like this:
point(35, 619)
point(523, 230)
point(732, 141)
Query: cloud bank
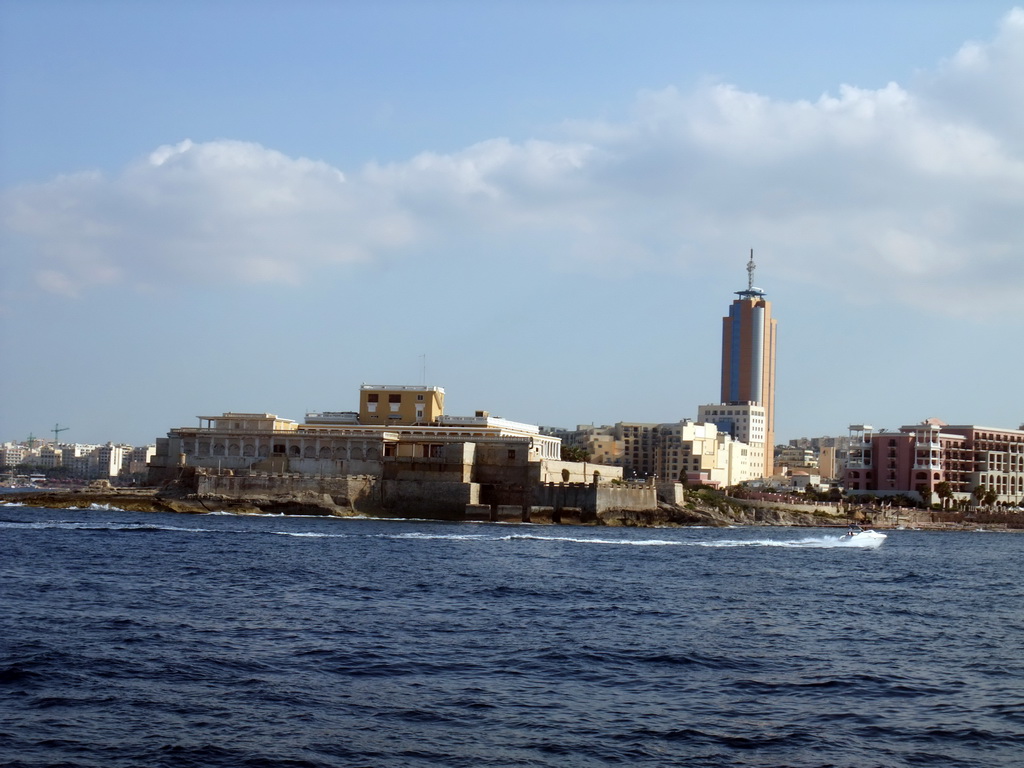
point(906, 193)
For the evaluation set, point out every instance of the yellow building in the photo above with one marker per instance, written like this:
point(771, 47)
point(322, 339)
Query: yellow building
point(393, 405)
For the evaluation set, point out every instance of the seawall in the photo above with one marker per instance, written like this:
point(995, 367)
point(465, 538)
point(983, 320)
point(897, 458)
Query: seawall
point(337, 500)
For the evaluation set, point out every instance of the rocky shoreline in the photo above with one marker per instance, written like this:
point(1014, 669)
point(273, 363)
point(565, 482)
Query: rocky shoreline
point(721, 511)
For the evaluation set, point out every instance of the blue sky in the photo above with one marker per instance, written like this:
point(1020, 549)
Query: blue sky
point(259, 206)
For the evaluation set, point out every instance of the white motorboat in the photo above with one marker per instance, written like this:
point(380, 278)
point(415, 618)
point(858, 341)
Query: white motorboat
point(858, 537)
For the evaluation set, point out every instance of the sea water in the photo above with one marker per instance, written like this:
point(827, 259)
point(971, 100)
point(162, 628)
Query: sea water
point(131, 639)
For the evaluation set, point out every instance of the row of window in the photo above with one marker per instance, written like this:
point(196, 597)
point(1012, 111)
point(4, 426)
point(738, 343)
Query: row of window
point(375, 398)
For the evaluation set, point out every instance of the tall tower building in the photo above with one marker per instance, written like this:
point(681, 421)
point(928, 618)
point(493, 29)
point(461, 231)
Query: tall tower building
point(748, 357)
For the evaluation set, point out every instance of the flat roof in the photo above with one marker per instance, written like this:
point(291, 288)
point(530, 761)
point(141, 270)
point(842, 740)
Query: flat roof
point(401, 388)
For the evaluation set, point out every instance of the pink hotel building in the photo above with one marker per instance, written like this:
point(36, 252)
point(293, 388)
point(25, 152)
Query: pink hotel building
point(914, 460)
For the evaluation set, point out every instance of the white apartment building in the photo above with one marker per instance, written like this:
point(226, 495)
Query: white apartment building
point(12, 454)
point(106, 460)
point(49, 457)
point(743, 422)
point(679, 451)
point(75, 458)
point(136, 459)
point(700, 453)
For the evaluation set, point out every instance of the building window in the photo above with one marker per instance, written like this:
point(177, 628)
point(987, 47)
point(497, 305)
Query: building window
point(394, 398)
point(512, 453)
point(371, 398)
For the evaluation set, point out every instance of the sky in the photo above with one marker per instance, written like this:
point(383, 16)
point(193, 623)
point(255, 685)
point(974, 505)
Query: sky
point(543, 207)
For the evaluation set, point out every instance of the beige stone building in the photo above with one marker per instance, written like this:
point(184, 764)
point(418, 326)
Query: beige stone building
point(442, 466)
point(340, 443)
point(700, 453)
point(681, 451)
point(746, 423)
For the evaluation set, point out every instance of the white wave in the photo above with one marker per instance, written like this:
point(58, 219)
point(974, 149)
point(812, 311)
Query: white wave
point(309, 534)
point(95, 508)
point(75, 525)
point(440, 536)
point(574, 540)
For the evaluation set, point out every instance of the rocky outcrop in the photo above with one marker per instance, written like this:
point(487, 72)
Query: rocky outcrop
point(708, 510)
point(303, 503)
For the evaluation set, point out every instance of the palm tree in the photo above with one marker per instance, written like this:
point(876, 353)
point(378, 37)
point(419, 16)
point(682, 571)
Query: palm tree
point(979, 494)
point(945, 492)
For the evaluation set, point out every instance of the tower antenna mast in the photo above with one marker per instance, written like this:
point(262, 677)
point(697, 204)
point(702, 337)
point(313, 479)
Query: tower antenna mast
point(750, 271)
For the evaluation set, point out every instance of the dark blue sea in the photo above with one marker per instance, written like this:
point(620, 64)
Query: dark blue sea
point(131, 640)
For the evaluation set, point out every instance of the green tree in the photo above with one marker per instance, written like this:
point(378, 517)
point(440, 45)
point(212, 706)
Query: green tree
point(945, 492)
point(574, 453)
point(979, 494)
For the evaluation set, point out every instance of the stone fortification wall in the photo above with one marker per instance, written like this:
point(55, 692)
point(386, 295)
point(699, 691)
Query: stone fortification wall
point(671, 493)
point(634, 498)
point(352, 492)
point(552, 471)
point(822, 507)
point(495, 474)
point(595, 498)
point(559, 496)
point(430, 470)
point(334, 466)
point(429, 498)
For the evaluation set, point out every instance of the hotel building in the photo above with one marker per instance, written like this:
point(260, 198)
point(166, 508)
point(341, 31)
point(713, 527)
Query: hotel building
point(914, 460)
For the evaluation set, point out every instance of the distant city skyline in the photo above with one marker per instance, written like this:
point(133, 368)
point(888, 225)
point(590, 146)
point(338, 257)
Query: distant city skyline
point(540, 207)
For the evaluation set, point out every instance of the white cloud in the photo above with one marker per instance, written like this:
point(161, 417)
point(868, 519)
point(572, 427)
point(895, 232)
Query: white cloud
point(905, 192)
point(213, 211)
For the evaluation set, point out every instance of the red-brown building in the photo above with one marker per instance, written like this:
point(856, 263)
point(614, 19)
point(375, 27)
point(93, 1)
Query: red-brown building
point(917, 458)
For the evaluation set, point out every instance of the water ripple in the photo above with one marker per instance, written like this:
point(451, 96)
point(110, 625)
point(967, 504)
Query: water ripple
point(159, 640)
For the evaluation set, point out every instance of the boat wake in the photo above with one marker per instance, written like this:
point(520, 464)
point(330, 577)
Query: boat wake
point(862, 540)
point(814, 542)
